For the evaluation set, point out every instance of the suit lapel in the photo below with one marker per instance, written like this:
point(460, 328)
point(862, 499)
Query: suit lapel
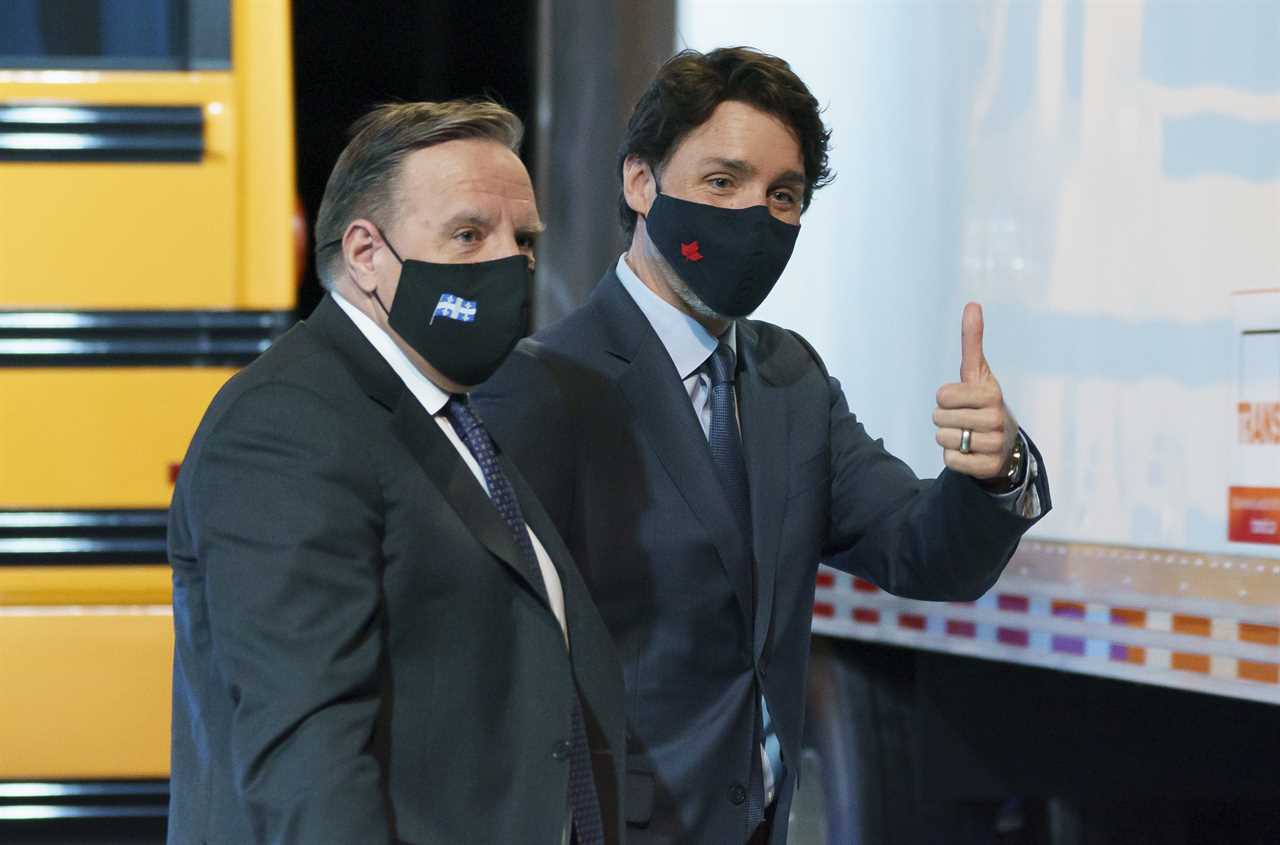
point(571, 584)
point(591, 649)
point(661, 410)
point(422, 436)
point(762, 411)
point(369, 369)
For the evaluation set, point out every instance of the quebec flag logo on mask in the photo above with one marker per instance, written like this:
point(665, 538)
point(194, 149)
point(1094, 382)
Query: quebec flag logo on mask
point(453, 307)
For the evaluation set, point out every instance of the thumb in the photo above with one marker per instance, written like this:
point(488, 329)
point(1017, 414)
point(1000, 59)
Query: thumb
point(973, 364)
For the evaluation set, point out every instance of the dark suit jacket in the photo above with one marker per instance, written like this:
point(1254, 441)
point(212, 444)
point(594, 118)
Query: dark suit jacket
point(359, 656)
point(594, 412)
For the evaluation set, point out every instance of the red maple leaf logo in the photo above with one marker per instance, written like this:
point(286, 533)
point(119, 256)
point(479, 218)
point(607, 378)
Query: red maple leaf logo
point(690, 252)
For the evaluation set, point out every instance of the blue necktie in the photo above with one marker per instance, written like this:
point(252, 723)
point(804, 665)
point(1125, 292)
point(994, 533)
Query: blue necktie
point(501, 493)
point(726, 443)
point(584, 802)
point(726, 454)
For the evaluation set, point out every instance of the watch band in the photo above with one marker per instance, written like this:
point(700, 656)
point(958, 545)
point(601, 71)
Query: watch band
point(1012, 477)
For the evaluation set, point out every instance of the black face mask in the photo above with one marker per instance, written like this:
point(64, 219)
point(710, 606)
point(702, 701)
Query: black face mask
point(463, 318)
point(730, 257)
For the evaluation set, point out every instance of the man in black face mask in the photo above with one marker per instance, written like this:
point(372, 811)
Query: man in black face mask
point(700, 464)
point(380, 635)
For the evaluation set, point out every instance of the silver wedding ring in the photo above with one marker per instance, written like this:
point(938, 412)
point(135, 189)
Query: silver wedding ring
point(965, 436)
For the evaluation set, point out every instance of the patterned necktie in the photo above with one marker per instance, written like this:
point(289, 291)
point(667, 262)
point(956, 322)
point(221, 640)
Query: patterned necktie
point(724, 439)
point(502, 494)
point(584, 802)
point(726, 454)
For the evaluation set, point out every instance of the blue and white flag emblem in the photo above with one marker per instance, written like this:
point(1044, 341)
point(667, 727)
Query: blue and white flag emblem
point(455, 308)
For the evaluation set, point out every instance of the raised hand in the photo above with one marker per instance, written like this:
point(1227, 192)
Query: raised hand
point(975, 404)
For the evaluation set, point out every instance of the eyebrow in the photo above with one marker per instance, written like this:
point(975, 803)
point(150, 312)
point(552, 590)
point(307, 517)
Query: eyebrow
point(743, 168)
point(484, 221)
point(735, 165)
point(791, 177)
point(468, 218)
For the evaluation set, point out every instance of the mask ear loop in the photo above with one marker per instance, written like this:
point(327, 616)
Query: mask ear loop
point(657, 187)
point(386, 241)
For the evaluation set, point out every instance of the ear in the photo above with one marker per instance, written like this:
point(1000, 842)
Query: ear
point(639, 188)
point(359, 248)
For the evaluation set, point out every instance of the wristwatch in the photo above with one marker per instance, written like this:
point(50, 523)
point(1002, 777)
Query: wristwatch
point(1011, 479)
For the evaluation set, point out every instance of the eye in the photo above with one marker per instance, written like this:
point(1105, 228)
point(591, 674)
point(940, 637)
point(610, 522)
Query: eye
point(466, 236)
point(526, 241)
point(784, 197)
point(720, 183)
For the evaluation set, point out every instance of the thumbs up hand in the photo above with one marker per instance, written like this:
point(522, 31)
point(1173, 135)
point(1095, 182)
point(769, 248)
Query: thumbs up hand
point(975, 405)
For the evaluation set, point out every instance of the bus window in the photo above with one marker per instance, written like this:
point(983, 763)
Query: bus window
point(115, 34)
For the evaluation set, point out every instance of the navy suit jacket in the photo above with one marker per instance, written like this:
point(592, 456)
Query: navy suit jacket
point(594, 413)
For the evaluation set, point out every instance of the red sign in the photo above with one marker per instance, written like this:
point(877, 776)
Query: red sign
point(1253, 515)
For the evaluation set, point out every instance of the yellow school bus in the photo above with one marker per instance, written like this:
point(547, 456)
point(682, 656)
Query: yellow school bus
point(148, 247)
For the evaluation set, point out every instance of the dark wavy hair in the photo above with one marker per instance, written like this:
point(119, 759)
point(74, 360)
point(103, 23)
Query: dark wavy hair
point(688, 88)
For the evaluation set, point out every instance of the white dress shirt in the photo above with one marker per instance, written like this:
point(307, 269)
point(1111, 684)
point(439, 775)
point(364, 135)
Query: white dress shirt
point(434, 400)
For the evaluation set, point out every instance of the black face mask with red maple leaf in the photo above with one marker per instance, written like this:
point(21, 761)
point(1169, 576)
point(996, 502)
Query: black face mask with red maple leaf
point(729, 257)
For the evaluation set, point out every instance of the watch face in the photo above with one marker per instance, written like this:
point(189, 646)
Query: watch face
point(1015, 468)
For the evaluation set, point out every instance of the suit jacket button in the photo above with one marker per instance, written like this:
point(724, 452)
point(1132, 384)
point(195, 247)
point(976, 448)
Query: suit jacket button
point(561, 750)
point(737, 793)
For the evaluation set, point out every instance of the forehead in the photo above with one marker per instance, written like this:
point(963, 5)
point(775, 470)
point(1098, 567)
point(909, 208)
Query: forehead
point(471, 171)
point(740, 131)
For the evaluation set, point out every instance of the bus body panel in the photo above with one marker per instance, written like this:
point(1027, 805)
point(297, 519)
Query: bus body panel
point(98, 438)
point(135, 276)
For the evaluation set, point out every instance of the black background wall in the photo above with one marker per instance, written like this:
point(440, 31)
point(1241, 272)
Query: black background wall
point(350, 56)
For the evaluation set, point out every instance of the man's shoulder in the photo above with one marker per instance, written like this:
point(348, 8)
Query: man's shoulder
point(567, 346)
point(573, 334)
point(298, 370)
point(782, 355)
point(609, 317)
point(561, 362)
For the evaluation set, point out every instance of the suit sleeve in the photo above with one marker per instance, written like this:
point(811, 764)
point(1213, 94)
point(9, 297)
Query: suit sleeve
point(524, 410)
point(287, 526)
point(942, 539)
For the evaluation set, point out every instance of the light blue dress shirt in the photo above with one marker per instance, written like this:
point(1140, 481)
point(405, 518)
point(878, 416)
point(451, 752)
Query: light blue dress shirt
point(690, 345)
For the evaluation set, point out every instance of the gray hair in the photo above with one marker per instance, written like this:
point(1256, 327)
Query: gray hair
point(363, 182)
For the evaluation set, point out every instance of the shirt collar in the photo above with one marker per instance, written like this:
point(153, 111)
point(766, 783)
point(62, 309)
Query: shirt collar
point(426, 391)
point(686, 340)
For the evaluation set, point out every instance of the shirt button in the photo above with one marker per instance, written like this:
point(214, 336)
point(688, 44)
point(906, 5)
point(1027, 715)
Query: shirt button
point(737, 793)
point(561, 750)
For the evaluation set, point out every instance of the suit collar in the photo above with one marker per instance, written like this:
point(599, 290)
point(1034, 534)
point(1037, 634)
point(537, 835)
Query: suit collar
point(768, 355)
point(627, 328)
point(367, 366)
point(624, 325)
point(432, 397)
point(686, 340)
point(414, 426)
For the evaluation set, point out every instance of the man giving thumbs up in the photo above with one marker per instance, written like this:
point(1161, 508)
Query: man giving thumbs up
point(699, 463)
point(977, 432)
